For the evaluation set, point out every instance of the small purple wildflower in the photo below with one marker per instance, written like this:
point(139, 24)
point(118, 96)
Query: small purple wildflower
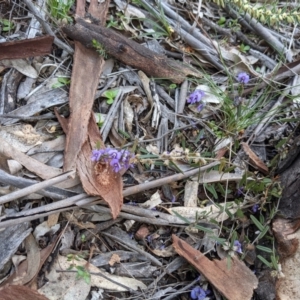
point(237, 246)
point(198, 293)
point(195, 97)
point(255, 208)
point(149, 238)
point(115, 165)
point(162, 247)
point(201, 106)
point(131, 235)
point(96, 154)
point(243, 78)
point(240, 191)
point(117, 159)
point(173, 199)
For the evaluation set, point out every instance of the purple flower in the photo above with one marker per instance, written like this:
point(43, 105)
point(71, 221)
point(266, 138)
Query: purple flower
point(255, 208)
point(117, 159)
point(115, 165)
point(240, 191)
point(113, 153)
point(201, 106)
point(96, 154)
point(195, 97)
point(149, 238)
point(198, 293)
point(173, 199)
point(243, 78)
point(237, 246)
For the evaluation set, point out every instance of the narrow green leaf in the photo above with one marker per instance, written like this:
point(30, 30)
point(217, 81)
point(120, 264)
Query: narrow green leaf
point(262, 234)
point(172, 163)
point(181, 217)
point(257, 223)
point(274, 262)
point(207, 230)
point(268, 264)
point(219, 240)
point(265, 249)
point(211, 189)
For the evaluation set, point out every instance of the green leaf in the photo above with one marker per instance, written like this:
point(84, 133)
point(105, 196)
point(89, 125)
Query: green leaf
point(263, 232)
point(257, 223)
point(87, 278)
point(111, 94)
point(219, 240)
point(61, 81)
point(204, 229)
point(268, 264)
point(110, 101)
point(265, 249)
point(222, 21)
point(211, 189)
point(239, 213)
point(274, 262)
point(124, 133)
point(181, 217)
point(172, 163)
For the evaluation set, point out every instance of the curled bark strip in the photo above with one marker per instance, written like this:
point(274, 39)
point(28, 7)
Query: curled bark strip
point(255, 160)
point(26, 48)
point(235, 280)
point(129, 52)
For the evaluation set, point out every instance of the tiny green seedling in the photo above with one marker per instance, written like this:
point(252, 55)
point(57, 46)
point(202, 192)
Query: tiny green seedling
point(222, 22)
point(6, 25)
point(118, 22)
point(83, 273)
point(99, 121)
point(61, 81)
point(99, 48)
point(244, 48)
point(59, 9)
point(110, 95)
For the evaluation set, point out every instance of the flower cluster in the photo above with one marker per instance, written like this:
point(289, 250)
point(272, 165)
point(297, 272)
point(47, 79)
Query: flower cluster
point(196, 97)
point(243, 78)
point(118, 159)
point(198, 293)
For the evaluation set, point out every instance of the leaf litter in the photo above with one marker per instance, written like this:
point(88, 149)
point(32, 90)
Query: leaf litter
point(176, 116)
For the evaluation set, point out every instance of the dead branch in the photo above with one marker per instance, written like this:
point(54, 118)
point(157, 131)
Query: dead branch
point(129, 51)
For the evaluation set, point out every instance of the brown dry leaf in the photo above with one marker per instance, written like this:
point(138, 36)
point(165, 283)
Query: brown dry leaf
point(38, 46)
point(115, 258)
point(97, 179)
point(23, 267)
point(20, 292)
point(29, 163)
point(73, 219)
point(254, 160)
point(83, 88)
point(83, 135)
point(236, 282)
point(166, 252)
point(53, 220)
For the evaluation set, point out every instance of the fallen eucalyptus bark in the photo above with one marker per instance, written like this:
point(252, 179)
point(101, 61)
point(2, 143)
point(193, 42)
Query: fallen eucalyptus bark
point(129, 52)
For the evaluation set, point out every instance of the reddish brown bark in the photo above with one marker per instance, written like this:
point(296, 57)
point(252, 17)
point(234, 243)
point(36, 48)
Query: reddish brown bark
point(234, 280)
point(26, 48)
